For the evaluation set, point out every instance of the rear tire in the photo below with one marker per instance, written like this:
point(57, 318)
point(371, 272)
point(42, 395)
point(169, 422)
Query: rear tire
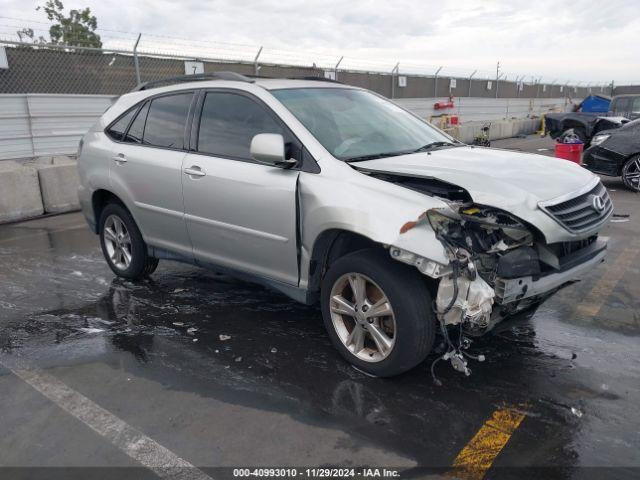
point(122, 245)
point(631, 174)
point(405, 316)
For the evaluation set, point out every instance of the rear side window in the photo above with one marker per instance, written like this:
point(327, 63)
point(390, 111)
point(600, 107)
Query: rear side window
point(636, 105)
point(166, 121)
point(134, 135)
point(118, 129)
point(229, 122)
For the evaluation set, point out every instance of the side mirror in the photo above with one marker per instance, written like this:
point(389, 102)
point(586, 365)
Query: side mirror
point(268, 149)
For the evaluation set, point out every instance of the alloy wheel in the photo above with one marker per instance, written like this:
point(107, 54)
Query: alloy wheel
point(117, 241)
point(363, 317)
point(631, 174)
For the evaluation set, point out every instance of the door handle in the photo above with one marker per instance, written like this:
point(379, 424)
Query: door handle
point(119, 158)
point(194, 171)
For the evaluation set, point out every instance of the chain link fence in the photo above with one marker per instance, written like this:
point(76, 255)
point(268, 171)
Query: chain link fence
point(46, 68)
point(35, 66)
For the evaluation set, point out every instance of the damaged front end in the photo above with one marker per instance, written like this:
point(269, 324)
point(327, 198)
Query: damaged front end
point(483, 244)
point(498, 265)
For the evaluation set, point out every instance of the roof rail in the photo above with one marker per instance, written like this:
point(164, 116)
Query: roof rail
point(193, 78)
point(317, 79)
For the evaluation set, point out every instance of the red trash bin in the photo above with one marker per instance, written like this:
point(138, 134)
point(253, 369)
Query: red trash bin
point(570, 151)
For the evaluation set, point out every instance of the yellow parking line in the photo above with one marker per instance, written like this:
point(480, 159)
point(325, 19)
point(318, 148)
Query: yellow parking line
point(478, 455)
point(607, 283)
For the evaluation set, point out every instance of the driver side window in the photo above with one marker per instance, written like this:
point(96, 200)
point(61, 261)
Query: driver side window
point(228, 123)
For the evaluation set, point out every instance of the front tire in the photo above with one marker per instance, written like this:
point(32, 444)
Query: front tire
point(122, 245)
point(378, 313)
point(631, 174)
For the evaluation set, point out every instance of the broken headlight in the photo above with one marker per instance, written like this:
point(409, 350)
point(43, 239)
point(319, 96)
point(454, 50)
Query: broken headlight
point(479, 229)
point(598, 139)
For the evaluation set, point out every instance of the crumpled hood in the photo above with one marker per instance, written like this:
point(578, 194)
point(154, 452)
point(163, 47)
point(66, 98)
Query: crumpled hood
point(500, 178)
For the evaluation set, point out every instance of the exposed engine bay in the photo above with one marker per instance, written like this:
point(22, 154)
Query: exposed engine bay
point(495, 261)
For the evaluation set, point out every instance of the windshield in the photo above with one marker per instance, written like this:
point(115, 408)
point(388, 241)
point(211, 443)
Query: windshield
point(358, 125)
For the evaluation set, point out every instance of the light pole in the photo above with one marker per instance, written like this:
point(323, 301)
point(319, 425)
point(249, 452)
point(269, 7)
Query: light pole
point(470, 77)
point(256, 67)
point(335, 69)
point(393, 79)
point(435, 83)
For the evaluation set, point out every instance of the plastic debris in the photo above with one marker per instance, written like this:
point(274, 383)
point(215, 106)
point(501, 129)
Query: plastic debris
point(178, 324)
point(178, 290)
point(274, 350)
point(576, 412)
point(91, 330)
point(195, 339)
point(238, 359)
point(224, 337)
point(192, 330)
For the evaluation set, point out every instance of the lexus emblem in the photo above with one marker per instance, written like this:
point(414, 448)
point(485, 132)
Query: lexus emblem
point(597, 203)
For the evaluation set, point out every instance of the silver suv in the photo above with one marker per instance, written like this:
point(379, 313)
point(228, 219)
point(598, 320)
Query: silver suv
point(334, 194)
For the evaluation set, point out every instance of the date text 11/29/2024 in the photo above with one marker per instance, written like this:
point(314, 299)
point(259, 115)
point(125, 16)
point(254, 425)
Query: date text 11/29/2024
point(315, 473)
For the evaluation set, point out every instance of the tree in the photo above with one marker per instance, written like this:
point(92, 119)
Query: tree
point(77, 29)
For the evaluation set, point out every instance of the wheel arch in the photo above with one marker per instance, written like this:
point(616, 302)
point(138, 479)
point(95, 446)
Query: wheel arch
point(100, 199)
point(330, 245)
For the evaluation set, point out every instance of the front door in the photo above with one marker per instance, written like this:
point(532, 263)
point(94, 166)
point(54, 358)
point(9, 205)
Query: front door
point(239, 214)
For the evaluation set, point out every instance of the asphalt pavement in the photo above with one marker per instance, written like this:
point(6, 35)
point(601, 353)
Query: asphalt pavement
point(190, 372)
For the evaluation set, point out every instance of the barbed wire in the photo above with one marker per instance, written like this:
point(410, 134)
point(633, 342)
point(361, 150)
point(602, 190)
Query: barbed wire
point(162, 44)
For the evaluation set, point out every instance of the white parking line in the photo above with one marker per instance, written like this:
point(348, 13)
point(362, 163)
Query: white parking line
point(162, 461)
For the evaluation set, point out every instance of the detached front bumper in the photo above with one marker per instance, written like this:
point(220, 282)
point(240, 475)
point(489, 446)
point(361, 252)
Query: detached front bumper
point(573, 268)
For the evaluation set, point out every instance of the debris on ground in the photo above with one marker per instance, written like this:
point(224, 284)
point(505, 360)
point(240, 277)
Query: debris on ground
point(274, 350)
point(178, 290)
point(619, 220)
point(192, 330)
point(179, 324)
point(195, 339)
point(91, 330)
point(576, 412)
point(224, 337)
point(238, 359)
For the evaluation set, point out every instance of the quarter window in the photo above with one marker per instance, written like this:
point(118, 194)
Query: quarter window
point(116, 131)
point(229, 122)
point(134, 135)
point(167, 120)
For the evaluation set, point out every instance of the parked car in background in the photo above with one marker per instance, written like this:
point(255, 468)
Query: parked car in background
point(593, 115)
point(627, 106)
point(335, 195)
point(616, 153)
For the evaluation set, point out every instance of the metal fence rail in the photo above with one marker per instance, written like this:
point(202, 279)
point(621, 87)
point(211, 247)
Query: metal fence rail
point(45, 68)
point(33, 125)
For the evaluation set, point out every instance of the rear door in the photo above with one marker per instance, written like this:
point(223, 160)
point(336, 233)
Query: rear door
point(239, 213)
point(146, 170)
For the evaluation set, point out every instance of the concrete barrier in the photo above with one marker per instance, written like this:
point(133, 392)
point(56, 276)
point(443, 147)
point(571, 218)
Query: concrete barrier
point(59, 186)
point(499, 129)
point(20, 195)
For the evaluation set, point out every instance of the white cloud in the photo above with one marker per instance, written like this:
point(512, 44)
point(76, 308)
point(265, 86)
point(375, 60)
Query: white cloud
point(578, 40)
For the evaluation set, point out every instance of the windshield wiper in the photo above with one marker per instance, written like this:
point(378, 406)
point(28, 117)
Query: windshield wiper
point(374, 156)
point(431, 145)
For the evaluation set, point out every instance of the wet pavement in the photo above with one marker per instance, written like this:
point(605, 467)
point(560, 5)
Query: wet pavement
point(223, 373)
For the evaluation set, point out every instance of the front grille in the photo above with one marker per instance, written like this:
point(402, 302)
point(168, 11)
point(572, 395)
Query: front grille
point(580, 214)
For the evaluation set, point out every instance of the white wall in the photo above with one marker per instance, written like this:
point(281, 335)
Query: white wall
point(32, 125)
point(476, 108)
